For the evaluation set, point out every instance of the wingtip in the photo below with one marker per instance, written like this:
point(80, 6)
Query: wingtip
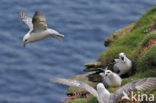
point(62, 35)
point(54, 80)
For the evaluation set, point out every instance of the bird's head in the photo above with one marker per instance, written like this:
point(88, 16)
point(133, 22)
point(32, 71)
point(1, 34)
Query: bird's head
point(122, 56)
point(26, 40)
point(108, 73)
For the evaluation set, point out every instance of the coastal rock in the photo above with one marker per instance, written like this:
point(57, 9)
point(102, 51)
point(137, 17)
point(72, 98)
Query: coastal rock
point(95, 77)
point(94, 66)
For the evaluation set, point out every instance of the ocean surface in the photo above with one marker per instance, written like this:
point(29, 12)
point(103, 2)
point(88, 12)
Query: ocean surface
point(25, 73)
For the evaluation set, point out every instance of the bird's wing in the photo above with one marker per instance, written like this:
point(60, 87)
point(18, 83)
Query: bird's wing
point(26, 19)
point(141, 84)
point(116, 68)
point(117, 60)
point(39, 22)
point(75, 83)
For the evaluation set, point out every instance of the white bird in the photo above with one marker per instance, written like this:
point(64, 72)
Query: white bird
point(38, 28)
point(122, 65)
point(103, 95)
point(110, 78)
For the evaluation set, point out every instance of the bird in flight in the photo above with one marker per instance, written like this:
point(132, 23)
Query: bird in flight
point(38, 28)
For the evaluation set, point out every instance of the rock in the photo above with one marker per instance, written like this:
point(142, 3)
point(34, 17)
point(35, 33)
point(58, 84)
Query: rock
point(94, 66)
point(84, 78)
point(118, 34)
point(95, 77)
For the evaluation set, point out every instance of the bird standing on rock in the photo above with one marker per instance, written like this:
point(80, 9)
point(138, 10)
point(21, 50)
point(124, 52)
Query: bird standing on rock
point(38, 28)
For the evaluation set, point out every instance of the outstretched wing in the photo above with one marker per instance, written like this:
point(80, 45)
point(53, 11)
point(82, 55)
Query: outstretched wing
point(26, 19)
point(70, 82)
point(142, 84)
point(39, 22)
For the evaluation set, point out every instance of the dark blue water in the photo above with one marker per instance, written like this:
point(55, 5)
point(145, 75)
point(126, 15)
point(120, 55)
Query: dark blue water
point(25, 73)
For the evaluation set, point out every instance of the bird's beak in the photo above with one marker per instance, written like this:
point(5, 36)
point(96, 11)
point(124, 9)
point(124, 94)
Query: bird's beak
point(122, 58)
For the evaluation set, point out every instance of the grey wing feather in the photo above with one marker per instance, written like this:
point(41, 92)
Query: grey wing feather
point(26, 19)
point(70, 82)
point(117, 60)
point(142, 84)
point(39, 22)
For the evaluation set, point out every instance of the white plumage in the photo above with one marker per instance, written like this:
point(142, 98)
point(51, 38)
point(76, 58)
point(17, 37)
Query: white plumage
point(38, 28)
point(110, 78)
point(123, 64)
point(103, 95)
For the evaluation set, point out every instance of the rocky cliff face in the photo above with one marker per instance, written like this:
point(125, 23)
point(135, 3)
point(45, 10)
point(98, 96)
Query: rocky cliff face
point(137, 41)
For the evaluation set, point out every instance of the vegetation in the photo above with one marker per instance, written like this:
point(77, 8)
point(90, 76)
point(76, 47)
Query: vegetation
point(138, 46)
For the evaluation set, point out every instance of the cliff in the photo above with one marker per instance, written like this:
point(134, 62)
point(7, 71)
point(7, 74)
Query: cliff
point(137, 41)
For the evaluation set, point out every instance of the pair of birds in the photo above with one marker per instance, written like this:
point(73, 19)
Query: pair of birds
point(38, 28)
point(122, 65)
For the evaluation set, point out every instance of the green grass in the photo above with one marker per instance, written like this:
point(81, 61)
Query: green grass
point(132, 43)
point(151, 35)
point(91, 99)
point(145, 59)
point(144, 42)
point(148, 60)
